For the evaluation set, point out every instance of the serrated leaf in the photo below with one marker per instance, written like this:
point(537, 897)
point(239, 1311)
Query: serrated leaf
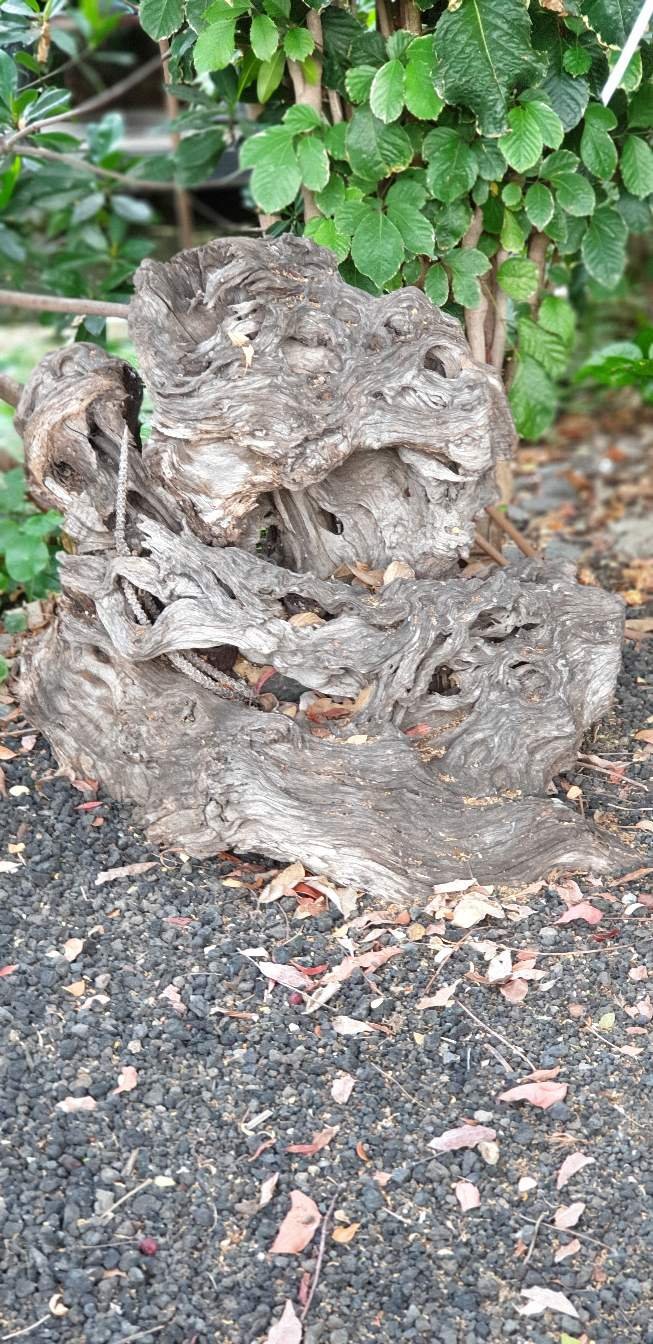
point(387, 92)
point(398, 43)
point(452, 167)
point(523, 144)
point(637, 214)
point(420, 93)
point(333, 195)
point(532, 399)
point(406, 192)
point(491, 163)
point(568, 97)
point(349, 215)
point(358, 82)
point(313, 162)
point(160, 18)
point(534, 340)
point(335, 140)
point(576, 61)
point(512, 236)
point(640, 109)
point(574, 193)
point(324, 232)
point(263, 37)
point(465, 265)
point(511, 195)
point(604, 246)
point(636, 166)
point(518, 277)
point(612, 19)
point(298, 44)
point(551, 127)
point(303, 118)
point(270, 76)
point(377, 247)
point(597, 149)
point(276, 178)
point(436, 285)
point(484, 50)
point(538, 203)
point(375, 150)
point(215, 46)
point(557, 315)
point(415, 229)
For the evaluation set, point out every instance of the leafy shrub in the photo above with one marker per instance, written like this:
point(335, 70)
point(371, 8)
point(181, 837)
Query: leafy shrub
point(623, 364)
point(28, 542)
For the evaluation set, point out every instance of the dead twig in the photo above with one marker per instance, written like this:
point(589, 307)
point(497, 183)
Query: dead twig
point(320, 1255)
point(497, 1034)
point(537, 1225)
point(502, 521)
point(28, 1328)
point(490, 550)
point(54, 303)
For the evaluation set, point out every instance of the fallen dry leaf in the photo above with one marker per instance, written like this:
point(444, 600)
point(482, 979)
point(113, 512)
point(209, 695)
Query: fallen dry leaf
point(644, 735)
point(71, 1105)
point(127, 1079)
point(8, 866)
point(537, 1094)
point(72, 948)
point(267, 1189)
point(77, 988)
point(468, 1195)
point(568, 1214)
point(571, 1164)
point(298, 1227)
point(441, 998)
point(289, 976)
point(526, 1183)
point(6, 754)
point(350, 1026)
point(382, 1177)
point(129, 870)
point(8, 970)
point(500, 966)
point(514, 991)
point(343, 1235)
point(288, 1329)
point(473, 907)
point(581, 910)
point(342, 1088)
point(319, 1140)
point(545, 1299)
point(542, 1075)
point(570, 1248)
point(465, 1136)
point(638, 973)
point(283, 883)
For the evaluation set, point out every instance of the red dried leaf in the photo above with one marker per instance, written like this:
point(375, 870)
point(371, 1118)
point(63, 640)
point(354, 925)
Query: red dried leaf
point(87, 807)
point(468, 1195)
point(319, 1141)
point(514, 991)
point(581, 910)
point(465, 1136)
point(298, 1227)
point(288, 1329)
point(537, 1094)
point(7, 970)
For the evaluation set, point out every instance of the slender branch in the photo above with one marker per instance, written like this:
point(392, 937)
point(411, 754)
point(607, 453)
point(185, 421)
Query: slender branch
point(91, 105)
point(537, 253)
point(309, 95)
point(84, 166)
point(320, 1255)
point(183, 206)
point(475, 317)
point(55, 303)
point(10, 389)
point(490, 550)
point(510, 530)
point(498, 347)
point(335, 106)
point(383, 20)
point(410, 16)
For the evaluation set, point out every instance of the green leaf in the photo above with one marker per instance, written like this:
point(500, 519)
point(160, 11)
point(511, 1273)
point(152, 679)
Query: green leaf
point(619, 364)
point(551, 127)
point(358, 82)
point(637, 214)
point(313, 162)
point(568, 97)
point(421, 98)
point(387, 92)
point(128, 207)
point(604, 246)
point(539, 205)
point(14, 621)
point(298, 44)
point(532, 399)
point(640, 110)
point(8, 78)
point(575, 194)
point(377, 247)
point(576, 61)
point(513, 236)
point(465, 264)
point(436, 285)
point(276, 178)
point(375, 150)
point(332, 196)
point(452, 167)
point(215, 46)
point(491, 163)
point(636, 166)
point(398, 43)
point(415, 229)
point(612, 19)
point(406, 193)
point(523, 144)
point(518, 277)
point(25, 557)
point(303, 118)
point(511, 195)
point(4, 669)
point(542, 345)
point(161, 18)
point(324, 232)
point(558, 316)
point(335, 139)
point(484, 50)
point(263, 37)
point(451, 223)
point(597, 149)
point(349, 215)
point(270, 76)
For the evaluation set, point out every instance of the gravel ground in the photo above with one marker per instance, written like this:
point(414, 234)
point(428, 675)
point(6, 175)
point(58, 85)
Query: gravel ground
point(139, 1217)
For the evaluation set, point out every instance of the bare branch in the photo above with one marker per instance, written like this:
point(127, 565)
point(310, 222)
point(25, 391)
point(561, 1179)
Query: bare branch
point(56, 303)
point(90, 105)
point(10, 389)
point(183, 206)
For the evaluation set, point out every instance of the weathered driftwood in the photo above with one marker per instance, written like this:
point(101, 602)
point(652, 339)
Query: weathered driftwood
point(303, 503)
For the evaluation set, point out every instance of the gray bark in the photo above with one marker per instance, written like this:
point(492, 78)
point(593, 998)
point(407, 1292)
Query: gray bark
point(304, 437)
